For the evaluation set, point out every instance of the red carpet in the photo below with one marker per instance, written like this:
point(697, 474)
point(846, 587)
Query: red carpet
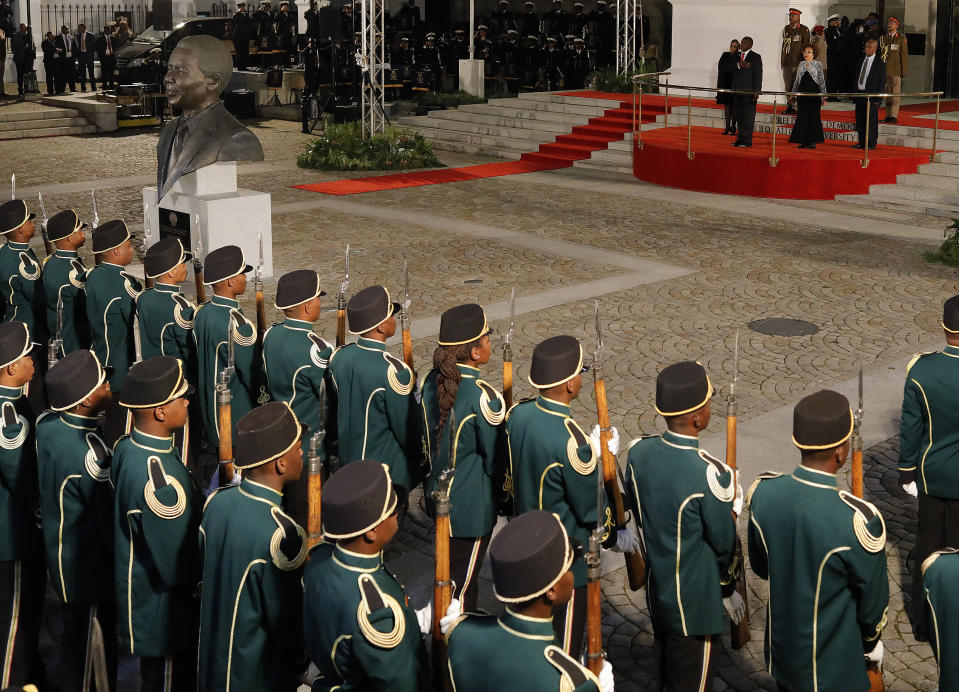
point(829, 170)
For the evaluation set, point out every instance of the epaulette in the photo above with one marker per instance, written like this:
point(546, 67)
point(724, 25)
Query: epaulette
point(240, 321)
point(714, 469)
point(572, 674)
point(29, 269)
point(917, 357)
point(158, 480)
point(77, 274)
point(863, 515)
point(927, 563)
point(456, 622)
point(43, 262)
point(394, 367)
point(288, 546)
point(379, 616)
point(489, 394)
point(97, 453)
point(633, 442)
point(764, 476)
point(317, 346)
point(577, 438)
point(11, 418)
point(517, 403)
point(120, 439)
point(132, 284)
point(182, 304)
point(336, 350)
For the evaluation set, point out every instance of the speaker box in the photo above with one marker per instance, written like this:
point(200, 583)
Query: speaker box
point(163, 15)
point(274, 79)
point(241, 103)
point(346, 114)
point(331, 27)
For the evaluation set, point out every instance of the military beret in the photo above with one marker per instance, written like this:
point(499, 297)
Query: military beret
point(950, 315)
point(73, 378)
point(404, 38)
point(462, 325)
point(602, 3)
point(163, 256)
point(369, 308)
point(63, 224)
point(529, 556)
point(14, 342)
point(682, 388)
point(267, 433)
point(822, 421)
point(556, 360)
point(577, 4)
point(14, 214)
point(356, 499)
point(297, 287)
point(504, 2)
point(154, 382)
point(109, 235)
point(224, 263)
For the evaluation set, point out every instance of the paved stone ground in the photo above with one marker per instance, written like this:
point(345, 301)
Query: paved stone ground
point(674, 280)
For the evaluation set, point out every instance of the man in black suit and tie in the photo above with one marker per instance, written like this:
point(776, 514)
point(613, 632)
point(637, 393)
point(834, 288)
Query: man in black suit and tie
point(748, 76)
point(870, 79)
point(106, 51)
point(66, 48)
point(49, 47)
point(86, 48)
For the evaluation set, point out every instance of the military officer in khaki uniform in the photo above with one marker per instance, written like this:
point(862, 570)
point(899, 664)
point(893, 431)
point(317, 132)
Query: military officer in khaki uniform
point(795, 38)
point(895, 53)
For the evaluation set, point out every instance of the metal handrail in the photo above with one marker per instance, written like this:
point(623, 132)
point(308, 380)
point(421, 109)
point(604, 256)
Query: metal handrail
point(640, 80)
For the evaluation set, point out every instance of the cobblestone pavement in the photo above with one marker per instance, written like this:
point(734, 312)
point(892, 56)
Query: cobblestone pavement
point(873, 298)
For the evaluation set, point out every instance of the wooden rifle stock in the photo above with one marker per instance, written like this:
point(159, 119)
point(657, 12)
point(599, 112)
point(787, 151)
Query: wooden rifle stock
point(594, 605)
point(314, 495)
point(198, 283)
point(508, 382)
point(874, 673)
point(260, 313)
point(407, 342)
point(856, 482)
point(738, 634)
point(442, 592)
point(341, 320)
point(225, 426)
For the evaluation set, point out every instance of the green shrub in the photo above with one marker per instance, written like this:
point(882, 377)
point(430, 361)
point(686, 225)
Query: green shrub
point(451, 100)
point(948, 252)
point(344, 148)
point(609, 80)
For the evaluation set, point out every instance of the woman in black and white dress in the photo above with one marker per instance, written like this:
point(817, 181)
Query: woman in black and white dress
point(810, 79)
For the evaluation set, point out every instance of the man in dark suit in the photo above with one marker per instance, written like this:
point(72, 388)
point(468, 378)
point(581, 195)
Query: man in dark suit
point(197, 72)
point(748, 76)
point(870, 79)
point(49, 47)
point(66, 68)
point(21, 43)
point(107, 52)
point(86, 48)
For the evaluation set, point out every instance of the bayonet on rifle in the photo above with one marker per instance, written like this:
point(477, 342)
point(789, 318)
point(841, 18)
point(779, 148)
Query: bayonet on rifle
point(96, 216)
point(258, 291)
point(405, 318)
point(56, 343)
point(341, 302)
point(13, 186)
point(198, 263)
point(739, 634)
point(508, 353)
point(47, 245)
point(857, 470)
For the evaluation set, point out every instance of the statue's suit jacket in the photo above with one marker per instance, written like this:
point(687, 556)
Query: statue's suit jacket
point(216, 136)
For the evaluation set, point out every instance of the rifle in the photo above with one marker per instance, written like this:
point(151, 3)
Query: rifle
point(405, 319)
point(258, 289)
point(56, 343)
point(47, 245)
point(738, 634)
point(635, 565)
point(198, 264)
point(13, 186)
point(594, 593)
point(508, 353)
point(94, 223)
point(224, 399)
point(341, 303)
point(315, 487)
point(442, 586)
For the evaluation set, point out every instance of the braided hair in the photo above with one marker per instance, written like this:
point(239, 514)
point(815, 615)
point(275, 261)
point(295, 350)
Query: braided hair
point(445, 359)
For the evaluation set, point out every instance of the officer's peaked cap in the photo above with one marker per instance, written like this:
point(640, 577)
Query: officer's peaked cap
point(822, 421)
point(682, 388)
point(356, 499)
point(73, 378)
point(163, 256)
point(154, 382)
point(556, 360)
point(529, 556)
point(267, 433)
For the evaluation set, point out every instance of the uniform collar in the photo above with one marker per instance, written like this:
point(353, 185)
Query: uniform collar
point(260, 491)
point(223, 300)
point(166, 288)
point(371, 344)
point(77, 421)
point(678, 440)
point(951, 350)
point(69, 254)
point(357, 562)
point(809, 476)
point(552, 406)
point(527, 627)
point(115, 267)
point(298, 324)
point(17, 246)
point(468, 371)
point(10, 392)
point(151, 442)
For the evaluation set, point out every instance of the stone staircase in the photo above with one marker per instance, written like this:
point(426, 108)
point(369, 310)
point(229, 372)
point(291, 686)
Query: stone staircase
point(42, 121)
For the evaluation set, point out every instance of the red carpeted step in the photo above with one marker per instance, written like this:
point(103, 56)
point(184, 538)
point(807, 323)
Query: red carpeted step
point(548, 161)
point(584, 140)
point(601, 128)
point(570, 151)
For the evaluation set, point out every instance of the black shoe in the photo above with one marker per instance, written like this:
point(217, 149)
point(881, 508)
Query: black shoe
point(810, 146)
point(871, 147)
point(892, 121)
point(789, 111)
point(737, 143)
point(726, 131)
point(858, 146)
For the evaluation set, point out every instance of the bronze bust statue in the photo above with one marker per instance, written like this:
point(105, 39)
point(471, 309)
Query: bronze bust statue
point(197, 73)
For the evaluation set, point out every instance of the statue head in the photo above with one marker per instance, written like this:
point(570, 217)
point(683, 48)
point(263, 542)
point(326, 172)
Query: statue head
point(198, 71)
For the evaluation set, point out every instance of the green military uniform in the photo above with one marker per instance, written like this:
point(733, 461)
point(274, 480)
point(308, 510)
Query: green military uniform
point(21, 287)
point(64, 278)
point(894, 51)
point(794, 40)
point(111, 302)
point(940, 584)
point(165, 319)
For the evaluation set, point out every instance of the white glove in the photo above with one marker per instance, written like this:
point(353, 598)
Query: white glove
point(612, 445)
point(911, 489)
point(738, 500)
point(309, 675)
point(606, 682)
point(454, 611)
point(875, 656)
point(424, 616)
point(626, 541)
point(735, 607)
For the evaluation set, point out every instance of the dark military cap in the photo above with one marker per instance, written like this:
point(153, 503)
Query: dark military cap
point(63, 224)
point(556, 360)
point(529, 556)
point(370, 308)
point(74, 378)
point(357, 498)
point(297, 287)
point(14, 342)
point(109, 235)
point(266, 433)
point(163, 256)
point(224, 263)
point(462, 324)
point(13, 214)
point(822, 421)
point(950, 315)
point(154, 382)
point(682, 388)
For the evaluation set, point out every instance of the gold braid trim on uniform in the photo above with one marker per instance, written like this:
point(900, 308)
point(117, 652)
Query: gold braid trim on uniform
point(880, 626)
point(391, 372)
point(860, 522)
point(487, 393)
point(238, 338)
point(25, 261)
point(76, 268)
point(577, 438)
point(927, 563)
point(154, 504)
point(765, 476)
point(383, 640)
point(279, 557)
point(560, 660)
point(16, 441)
point(723, 494)
point(180, 304)
point(132, 285)
point(91, 463)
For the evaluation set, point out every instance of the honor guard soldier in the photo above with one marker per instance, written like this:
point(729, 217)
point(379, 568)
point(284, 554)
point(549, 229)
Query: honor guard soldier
point(894, 50)
point(823, 553)
point(360, 629)
point(76, 503)
point(376, 414)
point(157, 512)
point(686, 499)
point(940, 585)
point(111, 300)
point(553, 466)
point(295, 360)
point(225, 270)
point(251, 612)
point(532, 559)
point(928, 437)
point(64, 278)
point(463, 418)
point(795, 38)
point(164, 314)
point(23, 576)
point(20, 285)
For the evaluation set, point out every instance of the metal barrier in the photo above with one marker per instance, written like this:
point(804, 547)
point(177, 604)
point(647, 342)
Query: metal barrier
point(53, 16)
point(641, 80)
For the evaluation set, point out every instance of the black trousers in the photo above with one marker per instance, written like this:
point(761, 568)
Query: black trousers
point(22, 585)
point(66, 74)
point(466, 559)
point(938, 528)
point(86, 67)
point(745, 114)
point(729, 110)
point(108, 65)
point(683, 664)
point(569, 623)
point(51, 71)
point(77, 655)
point(873, 120)
point(174, 673)
point(22, 69)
